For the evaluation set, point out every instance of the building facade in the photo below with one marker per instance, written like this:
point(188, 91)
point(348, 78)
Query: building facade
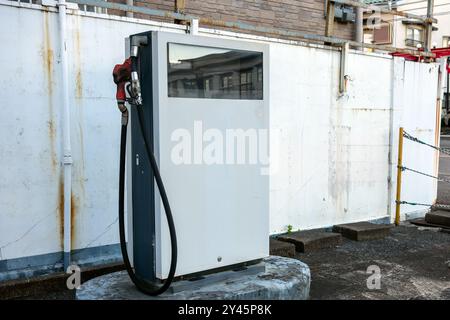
point(402, 32)
point(308, 16)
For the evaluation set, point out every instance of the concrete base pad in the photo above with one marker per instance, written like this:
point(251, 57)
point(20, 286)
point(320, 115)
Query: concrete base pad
point(306, 241)
point(284, 278)
point(439, 217)
point(361, 231)
point(281, 248)
point(228, 275)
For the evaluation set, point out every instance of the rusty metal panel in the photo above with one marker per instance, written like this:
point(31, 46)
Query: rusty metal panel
point(31, 184)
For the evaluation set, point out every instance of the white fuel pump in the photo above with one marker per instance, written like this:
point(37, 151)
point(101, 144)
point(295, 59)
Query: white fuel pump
point(199, 121)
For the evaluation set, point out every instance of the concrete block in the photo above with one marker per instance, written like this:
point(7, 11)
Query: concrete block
point(439, 217)
point(306, 241)
point(361, 231)
point(281, 248)
point(283, 279)
point(422, 222)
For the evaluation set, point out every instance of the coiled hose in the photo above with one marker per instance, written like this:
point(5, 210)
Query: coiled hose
point(143, 285)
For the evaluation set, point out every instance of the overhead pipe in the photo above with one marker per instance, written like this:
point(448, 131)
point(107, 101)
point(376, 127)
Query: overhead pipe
point(429, 25)
point(359, 28)
point(179, 8)
point(67, 155)
point(343, 77)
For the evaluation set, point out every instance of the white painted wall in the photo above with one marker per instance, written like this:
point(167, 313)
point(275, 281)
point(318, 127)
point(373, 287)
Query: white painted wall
point(336, 148)
point(334, 151)
point(419, 114)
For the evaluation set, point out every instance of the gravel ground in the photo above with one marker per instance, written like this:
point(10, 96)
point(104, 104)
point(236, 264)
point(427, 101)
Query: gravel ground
point(414, 264)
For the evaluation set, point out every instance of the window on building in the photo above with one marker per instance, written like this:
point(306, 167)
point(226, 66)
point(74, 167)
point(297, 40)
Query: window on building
point(227, 82)
point(208, 85)
point(246, 83)
point(214, 73)
point(95, 9)
point(445, 41)
point(383, 34)
point(260, 75)
point(189, 84)
point(414, 36)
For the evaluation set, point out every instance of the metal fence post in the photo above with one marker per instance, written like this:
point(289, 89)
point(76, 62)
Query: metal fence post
point(399, 176)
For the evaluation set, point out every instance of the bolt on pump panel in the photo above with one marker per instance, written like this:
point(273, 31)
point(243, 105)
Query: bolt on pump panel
point(206, 110)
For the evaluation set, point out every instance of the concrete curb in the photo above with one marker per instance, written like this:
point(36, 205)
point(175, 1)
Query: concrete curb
point(284, 279)
point(55, 283)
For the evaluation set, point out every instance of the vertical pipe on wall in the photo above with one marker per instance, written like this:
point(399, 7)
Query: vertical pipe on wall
point(343, 68)
point(67, 155)
point(429, 25)
point(130, 14)
point(179, 8)
point(359, 34)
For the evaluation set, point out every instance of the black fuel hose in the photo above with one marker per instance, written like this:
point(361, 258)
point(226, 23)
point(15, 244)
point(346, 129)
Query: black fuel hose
point(143, 285)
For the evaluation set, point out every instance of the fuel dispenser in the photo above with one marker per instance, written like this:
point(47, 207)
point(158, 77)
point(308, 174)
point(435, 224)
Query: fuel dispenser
point(197, 200)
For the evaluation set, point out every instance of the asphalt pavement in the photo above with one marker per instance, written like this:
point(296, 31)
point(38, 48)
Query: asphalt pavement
point(413, 264)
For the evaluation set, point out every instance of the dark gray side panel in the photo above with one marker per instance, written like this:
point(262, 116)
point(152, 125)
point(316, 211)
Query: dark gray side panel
point(143, 195)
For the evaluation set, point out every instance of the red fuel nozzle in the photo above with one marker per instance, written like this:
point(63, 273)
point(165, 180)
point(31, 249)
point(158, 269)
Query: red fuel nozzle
point(122, 75)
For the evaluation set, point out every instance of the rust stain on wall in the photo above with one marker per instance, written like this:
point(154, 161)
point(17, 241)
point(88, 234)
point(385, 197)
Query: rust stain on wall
point(77, 56)
point(81, 170)
point(73, 214)
point(78, 195)
point(79, 84)
point(74, 205)
point(47, 54)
